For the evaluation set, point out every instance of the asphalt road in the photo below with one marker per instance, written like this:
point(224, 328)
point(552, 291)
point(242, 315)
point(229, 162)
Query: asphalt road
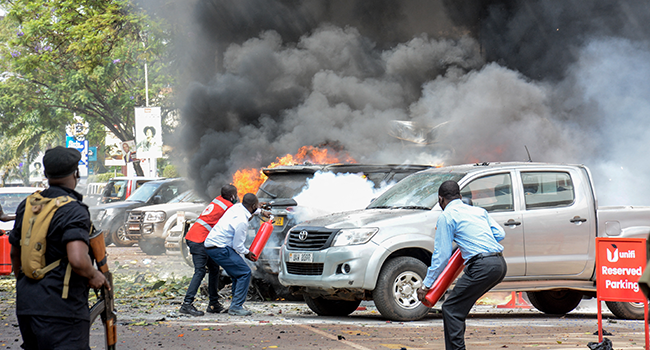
point(149, 319)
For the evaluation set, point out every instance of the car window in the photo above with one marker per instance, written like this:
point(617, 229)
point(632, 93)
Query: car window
point(140, 182)
point(10, 201)
point(283, 185)
point(492, 193)
point(547, 189)
point(115, 190)
point(419, 191)
point(143, 193)
point(167, 192)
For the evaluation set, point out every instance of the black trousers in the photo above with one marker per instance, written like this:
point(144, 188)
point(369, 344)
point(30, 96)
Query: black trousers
point(478, 278)
point(54, 333)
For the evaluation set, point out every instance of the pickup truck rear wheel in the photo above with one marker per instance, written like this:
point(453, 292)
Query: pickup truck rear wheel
point(626, 310)
point(395, 294)
point(555, 302)
point(326, 307)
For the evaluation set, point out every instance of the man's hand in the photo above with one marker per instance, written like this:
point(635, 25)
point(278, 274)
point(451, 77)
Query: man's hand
point(98, 280)
point(422, 292)
point(249, 256)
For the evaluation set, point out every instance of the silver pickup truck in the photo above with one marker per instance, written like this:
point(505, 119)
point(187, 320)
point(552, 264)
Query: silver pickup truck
point(549, 212)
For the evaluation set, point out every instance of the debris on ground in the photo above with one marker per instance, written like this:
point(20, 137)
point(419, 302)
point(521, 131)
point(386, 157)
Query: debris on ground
point(606, 344)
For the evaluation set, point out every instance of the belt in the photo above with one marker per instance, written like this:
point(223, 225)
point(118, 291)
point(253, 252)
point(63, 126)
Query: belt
point(213, 247)
point(481, 256)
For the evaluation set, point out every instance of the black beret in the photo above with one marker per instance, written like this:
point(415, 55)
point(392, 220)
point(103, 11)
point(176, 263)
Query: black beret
point(60, 162)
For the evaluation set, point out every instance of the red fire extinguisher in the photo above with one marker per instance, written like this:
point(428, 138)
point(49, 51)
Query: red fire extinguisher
point(446, 278)
point(261, 238)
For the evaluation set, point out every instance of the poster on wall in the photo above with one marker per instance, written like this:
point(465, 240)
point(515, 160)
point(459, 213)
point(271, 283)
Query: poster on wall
point(148, 132)
point(128, 151)
point(113, 154)
point(36, 174)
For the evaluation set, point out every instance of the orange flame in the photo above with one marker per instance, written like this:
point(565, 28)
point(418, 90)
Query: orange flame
point(249, 180)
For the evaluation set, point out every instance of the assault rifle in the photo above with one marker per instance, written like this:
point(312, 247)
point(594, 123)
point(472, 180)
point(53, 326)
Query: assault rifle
point(105, 306)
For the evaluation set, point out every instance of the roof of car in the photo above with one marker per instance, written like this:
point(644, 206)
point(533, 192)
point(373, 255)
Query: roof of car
point(136, 178)
point(486, 165)
point(345, 168)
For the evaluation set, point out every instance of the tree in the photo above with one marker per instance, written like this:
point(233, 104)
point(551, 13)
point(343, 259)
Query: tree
point(63, 57)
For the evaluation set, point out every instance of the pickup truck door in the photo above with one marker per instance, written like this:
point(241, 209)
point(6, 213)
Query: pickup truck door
point(558, 222)
point(494, 193)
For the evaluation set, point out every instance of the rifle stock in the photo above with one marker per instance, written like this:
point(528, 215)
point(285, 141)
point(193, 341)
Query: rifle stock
point(109, 317)
point(105, 307)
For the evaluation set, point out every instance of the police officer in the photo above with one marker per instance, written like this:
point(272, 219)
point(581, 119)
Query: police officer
point(477, 236)
point(46, 319)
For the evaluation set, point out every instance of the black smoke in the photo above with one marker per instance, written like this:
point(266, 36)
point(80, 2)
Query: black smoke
point(262, 78)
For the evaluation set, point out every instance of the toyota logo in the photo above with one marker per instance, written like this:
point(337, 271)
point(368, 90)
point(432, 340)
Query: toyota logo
point(303, 235)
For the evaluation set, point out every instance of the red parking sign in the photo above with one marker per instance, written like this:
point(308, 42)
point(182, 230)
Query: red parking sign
point(620, 262)
point(619, 265)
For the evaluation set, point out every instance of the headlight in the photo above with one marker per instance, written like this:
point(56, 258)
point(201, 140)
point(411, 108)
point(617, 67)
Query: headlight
point(350, 236)
point(154, 216)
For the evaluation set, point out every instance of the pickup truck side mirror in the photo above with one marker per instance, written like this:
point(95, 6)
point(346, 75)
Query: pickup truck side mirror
point(157, 199)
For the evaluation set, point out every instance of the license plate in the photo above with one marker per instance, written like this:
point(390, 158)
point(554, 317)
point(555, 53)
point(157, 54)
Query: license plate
point(301, 257)
point(134, 227)
point(278, 221)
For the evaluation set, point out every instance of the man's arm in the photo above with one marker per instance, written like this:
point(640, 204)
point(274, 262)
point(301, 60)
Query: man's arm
point(6, 217)
point(15, 260)
point(240, 237)
point(497, 231)
point(441, 252)
point(82, 265)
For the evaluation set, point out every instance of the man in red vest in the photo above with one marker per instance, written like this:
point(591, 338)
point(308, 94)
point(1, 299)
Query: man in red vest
point(195, 238)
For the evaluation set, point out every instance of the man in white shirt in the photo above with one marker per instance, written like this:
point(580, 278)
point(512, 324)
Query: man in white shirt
point(225, 245)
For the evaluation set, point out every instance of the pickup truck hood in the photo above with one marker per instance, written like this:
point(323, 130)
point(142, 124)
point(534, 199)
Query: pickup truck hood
point(365, 218)
point(167, 207)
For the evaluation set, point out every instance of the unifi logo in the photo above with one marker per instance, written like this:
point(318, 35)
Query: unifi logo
point(612, 256)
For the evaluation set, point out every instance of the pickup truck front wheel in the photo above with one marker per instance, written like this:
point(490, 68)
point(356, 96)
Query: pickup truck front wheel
point(555, 302)
point(395, 295)
point(118, 236)
point(626, 310)
point(326, 307)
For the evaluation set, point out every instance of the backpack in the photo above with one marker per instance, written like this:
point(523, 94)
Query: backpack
point(39, 211)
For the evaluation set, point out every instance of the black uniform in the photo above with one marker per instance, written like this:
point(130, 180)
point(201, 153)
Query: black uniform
point(47, 321)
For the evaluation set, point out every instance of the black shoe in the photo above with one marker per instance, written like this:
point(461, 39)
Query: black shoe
point(214, 309)
point(190, 310)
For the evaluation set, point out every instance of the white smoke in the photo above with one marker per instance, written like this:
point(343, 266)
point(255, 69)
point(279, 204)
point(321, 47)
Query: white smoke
point(328, 193)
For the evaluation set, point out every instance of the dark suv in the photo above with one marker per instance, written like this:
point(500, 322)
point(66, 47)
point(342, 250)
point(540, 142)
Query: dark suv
point(286, 182)
point(110, 217)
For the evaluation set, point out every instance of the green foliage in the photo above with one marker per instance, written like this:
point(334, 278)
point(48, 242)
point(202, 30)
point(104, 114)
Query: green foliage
point(103, 177)
point(84, 57)
point(170, 171)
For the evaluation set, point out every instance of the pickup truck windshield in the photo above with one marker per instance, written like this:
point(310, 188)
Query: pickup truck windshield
point(143, 193)
point(283, 185)
point(418, 191)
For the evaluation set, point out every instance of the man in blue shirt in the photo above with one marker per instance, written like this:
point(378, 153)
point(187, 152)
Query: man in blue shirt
point(225, 245)
point(477, 236)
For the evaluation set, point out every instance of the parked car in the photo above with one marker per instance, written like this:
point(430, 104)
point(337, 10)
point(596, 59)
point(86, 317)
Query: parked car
point(10, 197)
point(120, 188)
point(150, 225)
point(381, 253)
point(110, 217)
